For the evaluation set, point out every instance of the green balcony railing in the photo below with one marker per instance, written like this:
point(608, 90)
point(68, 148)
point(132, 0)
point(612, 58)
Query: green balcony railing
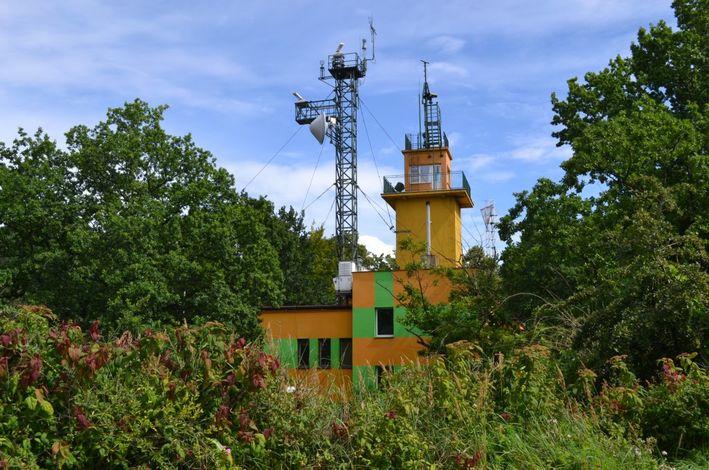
point(454, 180)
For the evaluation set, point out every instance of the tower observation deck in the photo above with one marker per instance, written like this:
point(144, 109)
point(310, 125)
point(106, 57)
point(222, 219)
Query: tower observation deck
point(429, 196)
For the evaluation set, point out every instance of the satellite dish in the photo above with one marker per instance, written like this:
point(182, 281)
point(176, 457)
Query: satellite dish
point(319, 127)
point(399, 187)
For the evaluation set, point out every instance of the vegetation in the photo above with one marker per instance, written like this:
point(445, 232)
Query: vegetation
point(203, 397)
point(584, 348)
point(611, 260)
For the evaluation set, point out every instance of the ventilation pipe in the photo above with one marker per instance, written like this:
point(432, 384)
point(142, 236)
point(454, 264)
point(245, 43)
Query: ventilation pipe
point(428, 229)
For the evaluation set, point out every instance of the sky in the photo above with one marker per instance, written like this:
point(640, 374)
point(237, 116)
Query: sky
point(227, 70)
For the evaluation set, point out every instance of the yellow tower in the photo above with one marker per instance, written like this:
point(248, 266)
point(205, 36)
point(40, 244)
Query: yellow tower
point(428, 197)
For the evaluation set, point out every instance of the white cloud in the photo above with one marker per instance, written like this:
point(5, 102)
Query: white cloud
point(454, 138)
point(477, 161)
point(539, 150)
point(376, 246)
point(447, 44)
point(286, 184)
point(447, 69)
point(88, 48)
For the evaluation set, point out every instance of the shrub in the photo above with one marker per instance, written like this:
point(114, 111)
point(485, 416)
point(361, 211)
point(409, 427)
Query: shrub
point(162, 398)
point(202, 397)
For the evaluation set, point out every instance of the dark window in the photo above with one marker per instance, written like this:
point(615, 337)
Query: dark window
point(346, 353)
point(303, 353)
point(385, 321)
point(382, 374)
point(324, 353)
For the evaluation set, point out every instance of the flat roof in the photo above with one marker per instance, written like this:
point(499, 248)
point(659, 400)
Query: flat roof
point(310, 307)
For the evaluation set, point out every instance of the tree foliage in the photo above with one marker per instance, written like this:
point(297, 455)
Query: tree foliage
point(620, 244)
point(131, 224)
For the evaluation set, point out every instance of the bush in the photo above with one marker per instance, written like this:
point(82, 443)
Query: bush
point(162, 398)
point(673, 410)
point(202, 397)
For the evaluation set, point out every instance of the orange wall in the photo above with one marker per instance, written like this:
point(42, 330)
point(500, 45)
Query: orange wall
point(394, 351)
point(316, 323)
point(428, 157)
point(322, 378)
point(363, 289)
point(436, 288)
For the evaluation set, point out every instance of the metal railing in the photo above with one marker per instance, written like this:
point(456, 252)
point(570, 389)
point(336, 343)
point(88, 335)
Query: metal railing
point(418, 141)
point(427, 182)
point(345, 65)
point(307, 111)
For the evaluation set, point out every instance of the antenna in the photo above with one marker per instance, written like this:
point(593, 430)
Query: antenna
point(336, 118)
point(372, 33)
point(490, 219)
point(433, 136)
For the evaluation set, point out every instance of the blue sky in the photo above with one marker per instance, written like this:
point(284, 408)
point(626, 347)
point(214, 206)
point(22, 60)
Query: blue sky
point(227, 70)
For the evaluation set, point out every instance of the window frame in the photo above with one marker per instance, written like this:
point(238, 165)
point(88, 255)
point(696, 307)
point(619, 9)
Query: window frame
point(304, 355)
point(425, 174)
point(377, 311)
point(344, 364)
point(380, 372)
point(324, 344)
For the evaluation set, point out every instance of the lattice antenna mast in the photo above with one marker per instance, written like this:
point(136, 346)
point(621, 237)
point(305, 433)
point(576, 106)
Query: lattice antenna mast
point(336, 118)
point(490, 219)
point(432, 133)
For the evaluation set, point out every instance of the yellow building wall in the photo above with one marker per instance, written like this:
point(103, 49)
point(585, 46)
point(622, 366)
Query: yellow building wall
point(435, 287)
point(316, 323)
point(446, 241)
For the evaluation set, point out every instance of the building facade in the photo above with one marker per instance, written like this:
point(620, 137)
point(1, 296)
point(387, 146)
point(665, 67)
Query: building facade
point(355, 342)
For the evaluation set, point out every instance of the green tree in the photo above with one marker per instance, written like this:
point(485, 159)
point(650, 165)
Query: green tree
point(131, 224)
point(476, 310)
point(619, 246)
point(307, 258)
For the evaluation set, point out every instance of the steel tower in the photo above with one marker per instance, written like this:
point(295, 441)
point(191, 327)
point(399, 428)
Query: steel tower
point(344, 70)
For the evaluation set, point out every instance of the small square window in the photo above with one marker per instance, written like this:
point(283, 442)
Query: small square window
point(303, 353)
point(346, 353)
point(324, 353)
point(385, 322)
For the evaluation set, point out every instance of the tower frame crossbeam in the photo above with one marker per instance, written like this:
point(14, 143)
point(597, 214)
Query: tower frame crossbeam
point(344, 72)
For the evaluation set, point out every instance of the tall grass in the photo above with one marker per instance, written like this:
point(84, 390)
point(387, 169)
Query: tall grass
point(200, 397)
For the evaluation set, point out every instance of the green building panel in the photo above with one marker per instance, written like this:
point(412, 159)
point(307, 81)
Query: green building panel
point(401, 331)
point(364, 377)
point(384, 289)
point(287, 352)
point(313, 360)
point(363, 322)
point(335, 353)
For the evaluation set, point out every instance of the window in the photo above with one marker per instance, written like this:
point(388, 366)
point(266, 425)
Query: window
point(324, 356)
point(425, 174)
point(346, 353)
point(303, 353)
point(385, 322)
point(382, 373)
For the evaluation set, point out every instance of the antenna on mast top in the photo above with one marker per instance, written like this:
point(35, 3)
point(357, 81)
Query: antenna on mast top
point(433, 136)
